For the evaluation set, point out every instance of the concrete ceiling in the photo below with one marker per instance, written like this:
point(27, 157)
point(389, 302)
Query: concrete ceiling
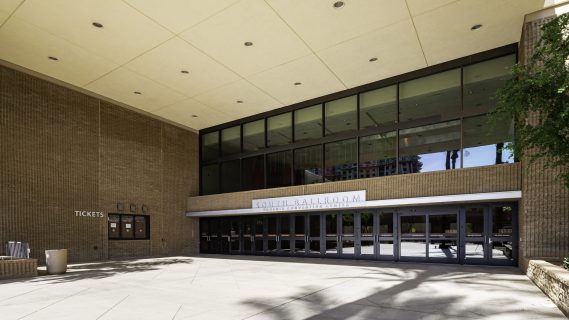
point(144, 45)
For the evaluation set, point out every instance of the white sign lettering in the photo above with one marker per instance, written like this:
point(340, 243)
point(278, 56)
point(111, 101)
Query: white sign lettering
point(90, 214)
point(314, 201)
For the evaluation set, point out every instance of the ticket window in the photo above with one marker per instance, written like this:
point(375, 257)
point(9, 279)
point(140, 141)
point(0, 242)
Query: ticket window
point(114, 227)
point(140, 227)
point(127, 227)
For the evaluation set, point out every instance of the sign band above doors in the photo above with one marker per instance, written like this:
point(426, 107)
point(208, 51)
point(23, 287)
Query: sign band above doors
point(313, 201)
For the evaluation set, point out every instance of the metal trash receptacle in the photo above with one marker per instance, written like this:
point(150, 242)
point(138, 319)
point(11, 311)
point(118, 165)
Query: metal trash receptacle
point(56, 261)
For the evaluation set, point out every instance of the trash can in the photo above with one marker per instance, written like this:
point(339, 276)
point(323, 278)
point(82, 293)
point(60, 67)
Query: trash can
point(56, 261)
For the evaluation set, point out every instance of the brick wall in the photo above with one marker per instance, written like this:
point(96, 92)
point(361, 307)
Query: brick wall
point(506, 177)
point(62, 151)
point(544, 211)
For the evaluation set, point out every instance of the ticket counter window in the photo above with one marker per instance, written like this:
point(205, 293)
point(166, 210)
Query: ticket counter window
point(140, 227)
point(128, 227)
point(114, 225)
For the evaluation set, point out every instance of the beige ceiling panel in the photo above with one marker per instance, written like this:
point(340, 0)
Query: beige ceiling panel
point(166, 62)
point(126, 33)
point(421, 6)
point(446, 34)
point(395, 47)
point(315, 78)
point(7, 7)
point(223, 37)
point(321, 25)
point(183, 112)
point(28, 46)
point(121, 84)
point(179, 15)
point(225, 100)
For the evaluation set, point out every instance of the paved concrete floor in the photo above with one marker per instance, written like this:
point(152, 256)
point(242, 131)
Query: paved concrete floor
point(237, 287)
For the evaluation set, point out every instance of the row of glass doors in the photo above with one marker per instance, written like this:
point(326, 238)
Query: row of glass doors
point(477, 234)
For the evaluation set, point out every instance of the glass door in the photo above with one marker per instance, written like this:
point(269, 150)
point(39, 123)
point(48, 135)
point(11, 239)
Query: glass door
point(248, 235)
point(443, 237)
point(474, 239)
point(215, 243)
point(413, 237)
point(300, 237)
point(234, 236)
point(205, 242)
point(386, 233)
point(367, 223)
point(223, 235)
point(314, 228)
point(285, 236)
point(347, 234)
point(331, 234)
point(272, 234)
point(259, 234)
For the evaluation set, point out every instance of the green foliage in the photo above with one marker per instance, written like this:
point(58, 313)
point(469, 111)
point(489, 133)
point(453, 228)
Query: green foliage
point(566, 262)
point(540, 90)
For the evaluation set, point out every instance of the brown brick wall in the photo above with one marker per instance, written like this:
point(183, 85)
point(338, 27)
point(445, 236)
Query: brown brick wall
point(506, 177)
point(544, 211)
point(62, 151)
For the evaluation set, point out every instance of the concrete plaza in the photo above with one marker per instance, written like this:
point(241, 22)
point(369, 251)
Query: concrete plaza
point(238, 287)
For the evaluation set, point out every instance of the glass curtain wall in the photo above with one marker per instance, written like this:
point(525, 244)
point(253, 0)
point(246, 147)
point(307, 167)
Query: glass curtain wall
point(430, 123)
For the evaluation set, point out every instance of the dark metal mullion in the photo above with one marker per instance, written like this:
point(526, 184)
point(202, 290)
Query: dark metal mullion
point(461, 116)
point(358, 142)
point(323, 160)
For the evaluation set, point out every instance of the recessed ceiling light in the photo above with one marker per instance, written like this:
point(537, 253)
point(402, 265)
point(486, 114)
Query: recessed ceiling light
point(476, 27)
point(97, 24)
point(374, 59)
point(184, 71)
point(239, 101)
point(194, 116)
point(137, 92)
point(248, 43)
point(53, 58)
point(338, 4)
point(297, 83)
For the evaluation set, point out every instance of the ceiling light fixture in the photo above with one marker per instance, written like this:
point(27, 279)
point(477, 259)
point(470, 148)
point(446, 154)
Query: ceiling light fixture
point(184, 71)
point(248, 43)
point(137, 92)
point(97, 24)
point(476, 27)
point(53, 58)
point(338, 4)
point(297, 83)
point(239, 101)
point(374, 59)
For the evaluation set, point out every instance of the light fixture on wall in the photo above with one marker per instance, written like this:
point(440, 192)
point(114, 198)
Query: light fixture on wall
point(120, 206)
point(132, 207)
point(144, 208)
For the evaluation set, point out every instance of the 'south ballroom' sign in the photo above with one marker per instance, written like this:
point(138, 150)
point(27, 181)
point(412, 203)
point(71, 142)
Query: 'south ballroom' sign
point(311, 202)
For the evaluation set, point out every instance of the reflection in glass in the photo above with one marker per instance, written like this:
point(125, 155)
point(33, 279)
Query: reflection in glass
point(247, 234)
point(231, 140)
point(314, 246)
point(299, 246)
point(366, 221)
point(314, 223)
point(341, 115)
point(254, 135)
point(210, 179)
point(502, 221)
point(348, 224)
point(475, 222)
point(386, 224)
point(474, 250)
point(308, 165)
point(285, 245)
point(279, 169)
point(430, 148)
point(341, 160)
point(378, 155)
point(271, 245)
point(413, 226)
point(367, 247)
point(485, 143)
point(331, 225)
point(378, 107)
point(331, 247)
point(210, 146)
point(413, 248)
point(308, 123)
point(253, 172)
point(234, 234)
point(386, 248)
point(446, 249)
point(502, 250)
point(442, 226)
point(433, 98)
point(299, 230)
point(279, 130)
point(230, 176)
point(482, 80)
point(348, 247)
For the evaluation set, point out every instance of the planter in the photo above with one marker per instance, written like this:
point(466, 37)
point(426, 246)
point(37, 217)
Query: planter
point(56, 261)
